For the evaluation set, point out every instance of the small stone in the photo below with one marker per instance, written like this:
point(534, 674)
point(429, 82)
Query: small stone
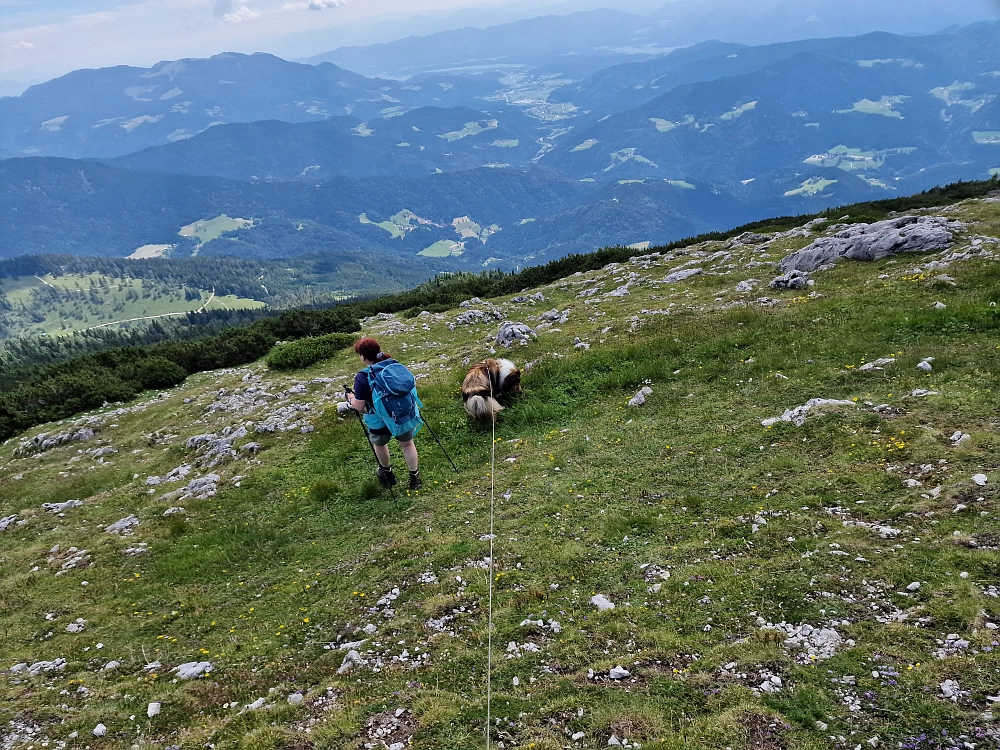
point(602, 602)
point(925, 366)
point(516, 681)
point(153, 709)
point(915, 586)
point(192, 669)
point(979, 479)
point(100, 730)
point(577, 736)
point(295, 699)
point(352, 660)
point(619, 673)
point(963, 575)
point(940, 306)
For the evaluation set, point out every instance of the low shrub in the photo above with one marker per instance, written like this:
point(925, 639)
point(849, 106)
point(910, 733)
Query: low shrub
point(295, 355)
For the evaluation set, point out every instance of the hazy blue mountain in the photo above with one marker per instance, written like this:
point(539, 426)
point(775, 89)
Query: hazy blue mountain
point(578, 44)
point(812, 124)
point(768, 21)
point(575, 44)
point(114, 111)
point(50, 205)
point(961, 53)
point(418, 143)
point(482, 217)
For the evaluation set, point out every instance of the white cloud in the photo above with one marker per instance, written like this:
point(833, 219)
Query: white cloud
point(321, 4)
point(22, 45)
point(241, 14)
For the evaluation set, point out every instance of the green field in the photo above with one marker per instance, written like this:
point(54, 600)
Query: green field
point(468, 229)
point(471, 128)
point(883, 106)
point(737, 112)
point(626, 155)
point(665, 126)
point(987, 137)
point(854, 159)
point(812, 186)
point(506, 143)
point(206, 230)
point(776, 586)
point(55, 305)
point(443, 249)
point(399, 224)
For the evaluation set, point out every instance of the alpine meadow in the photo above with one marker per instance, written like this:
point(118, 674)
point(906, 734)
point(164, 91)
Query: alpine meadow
point(745, 259)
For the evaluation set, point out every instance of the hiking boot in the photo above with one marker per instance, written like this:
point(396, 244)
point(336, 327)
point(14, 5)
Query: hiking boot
point(415, 481)
point(386, 476)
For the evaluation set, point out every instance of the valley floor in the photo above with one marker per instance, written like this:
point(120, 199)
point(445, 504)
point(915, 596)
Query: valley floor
point(214, 566)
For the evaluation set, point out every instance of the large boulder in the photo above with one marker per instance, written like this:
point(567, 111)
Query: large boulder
point(906, 234)
point(511, 333)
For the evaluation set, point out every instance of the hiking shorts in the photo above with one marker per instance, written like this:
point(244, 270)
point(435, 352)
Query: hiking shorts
point(381, 435)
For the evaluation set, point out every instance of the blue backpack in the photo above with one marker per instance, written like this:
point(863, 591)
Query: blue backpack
point(394, 397)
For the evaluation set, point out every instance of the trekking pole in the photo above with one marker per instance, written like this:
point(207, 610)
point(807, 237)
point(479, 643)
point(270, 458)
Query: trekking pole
point(439, 444)
point(368, 439)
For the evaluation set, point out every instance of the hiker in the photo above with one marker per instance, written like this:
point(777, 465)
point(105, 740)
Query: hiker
point(389, 409)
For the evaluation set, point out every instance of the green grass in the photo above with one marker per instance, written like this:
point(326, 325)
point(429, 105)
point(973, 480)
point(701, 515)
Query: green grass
point(442, 249)
point(260, 578)
point(738, 112)
point(812, 186)
point(59, 305)
point(207, 230)
point(471, 128)
point(883, 106)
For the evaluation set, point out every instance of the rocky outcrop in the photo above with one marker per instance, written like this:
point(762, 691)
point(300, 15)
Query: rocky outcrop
point(868, 242)
point(511, 333)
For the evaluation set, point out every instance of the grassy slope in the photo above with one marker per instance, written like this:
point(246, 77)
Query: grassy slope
point(75, 311)
point(262, 578)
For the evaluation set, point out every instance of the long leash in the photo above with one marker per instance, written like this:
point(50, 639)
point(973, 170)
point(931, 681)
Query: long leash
point(489, 632)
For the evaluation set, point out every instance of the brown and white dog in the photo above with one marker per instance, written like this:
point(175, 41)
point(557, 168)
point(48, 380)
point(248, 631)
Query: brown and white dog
point(487, 381)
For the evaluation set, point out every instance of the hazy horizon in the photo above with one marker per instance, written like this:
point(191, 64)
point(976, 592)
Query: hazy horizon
point(38, 43)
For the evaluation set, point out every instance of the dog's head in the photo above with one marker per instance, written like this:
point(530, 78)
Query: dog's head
point(509, 377)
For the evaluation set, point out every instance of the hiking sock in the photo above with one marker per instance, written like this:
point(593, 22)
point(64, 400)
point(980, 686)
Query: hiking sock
point(386, 476)
point(415, 481)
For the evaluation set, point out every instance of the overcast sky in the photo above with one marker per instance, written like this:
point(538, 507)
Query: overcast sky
point(40, 39)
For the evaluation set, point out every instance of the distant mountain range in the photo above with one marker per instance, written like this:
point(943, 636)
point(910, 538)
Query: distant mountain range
point(115, 111)
point(421, 142)
point(253, 156)
point(578, 44)
point(476, 218)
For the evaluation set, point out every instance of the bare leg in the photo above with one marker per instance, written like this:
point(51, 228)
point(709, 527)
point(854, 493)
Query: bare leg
point(410, 454)
point(382, 451)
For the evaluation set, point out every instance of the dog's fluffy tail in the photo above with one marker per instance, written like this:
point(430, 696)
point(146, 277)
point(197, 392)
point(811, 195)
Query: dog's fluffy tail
point(483, 407)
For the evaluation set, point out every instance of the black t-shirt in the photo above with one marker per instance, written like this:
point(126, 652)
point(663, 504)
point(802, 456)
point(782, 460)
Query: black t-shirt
point(362, 391)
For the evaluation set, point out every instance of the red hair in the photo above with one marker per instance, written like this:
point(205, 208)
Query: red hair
point(369, 349)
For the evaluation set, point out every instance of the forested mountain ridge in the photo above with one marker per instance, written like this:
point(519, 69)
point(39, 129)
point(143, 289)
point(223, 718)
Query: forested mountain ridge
point(460, 219)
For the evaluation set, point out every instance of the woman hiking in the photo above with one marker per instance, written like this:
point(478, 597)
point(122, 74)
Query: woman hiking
point(389, 410)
